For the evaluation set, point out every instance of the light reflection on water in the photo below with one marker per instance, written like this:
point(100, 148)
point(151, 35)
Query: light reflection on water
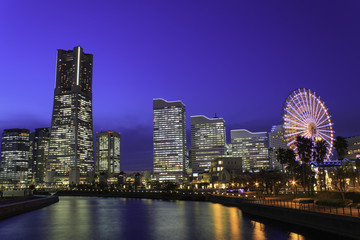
point(116, 218)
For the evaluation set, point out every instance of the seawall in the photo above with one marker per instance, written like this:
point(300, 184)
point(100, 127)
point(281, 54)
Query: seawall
point(16, 208)
point(331, 223)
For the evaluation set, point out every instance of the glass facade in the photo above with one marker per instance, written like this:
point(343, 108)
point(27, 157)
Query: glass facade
point(15, 147)
point(169, 140)
point(353, 150)
point(208, 138)
point(252, 148)
point(71, 147)
point(108, 152)
point(276, 141)
point(40, 151)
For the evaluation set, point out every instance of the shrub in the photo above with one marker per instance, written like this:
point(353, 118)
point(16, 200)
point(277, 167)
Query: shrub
point(334, 202)
point(303, 200)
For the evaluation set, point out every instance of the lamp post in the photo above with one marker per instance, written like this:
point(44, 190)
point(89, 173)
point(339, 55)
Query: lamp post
point(294, 185)
point(257, 192)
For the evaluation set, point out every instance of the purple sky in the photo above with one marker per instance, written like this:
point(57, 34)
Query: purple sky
point(239, 59)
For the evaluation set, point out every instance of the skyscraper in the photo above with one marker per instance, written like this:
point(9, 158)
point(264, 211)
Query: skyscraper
point(40, 151)
point(15, 156)
point(252, 148)
point(208, 139)
point(169, 135)
point(71, 150)
point(108, 152)
point(276, 141)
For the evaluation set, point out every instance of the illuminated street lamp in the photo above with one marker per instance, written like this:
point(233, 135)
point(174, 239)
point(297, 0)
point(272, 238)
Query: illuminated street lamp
point(294, 185)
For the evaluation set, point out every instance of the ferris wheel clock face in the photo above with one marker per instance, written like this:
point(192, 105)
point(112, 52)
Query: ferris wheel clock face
point(305, 114)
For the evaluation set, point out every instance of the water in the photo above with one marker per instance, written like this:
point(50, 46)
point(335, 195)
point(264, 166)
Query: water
point(119, 218)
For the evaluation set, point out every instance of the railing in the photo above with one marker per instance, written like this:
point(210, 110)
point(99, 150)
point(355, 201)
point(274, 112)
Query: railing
point(345, 211)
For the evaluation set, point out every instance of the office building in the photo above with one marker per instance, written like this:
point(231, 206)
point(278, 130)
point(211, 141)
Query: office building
point(108, 152)
point(71, 150)
point(39, 152)
point(169, 140)
point(15, 157)
point(208, 139)
point(252, 148)
point(353, 150)
point(276, 141)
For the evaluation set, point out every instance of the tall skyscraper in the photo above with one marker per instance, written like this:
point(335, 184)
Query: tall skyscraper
point(108, 152)
point(40, 151)
point(276, 141)
point(71, 151)
point(252, 148)
point(169, 129)
point(15, 156)
point(208, 139)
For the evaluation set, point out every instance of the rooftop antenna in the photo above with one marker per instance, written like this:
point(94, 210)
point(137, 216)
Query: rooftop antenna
point(216, 116)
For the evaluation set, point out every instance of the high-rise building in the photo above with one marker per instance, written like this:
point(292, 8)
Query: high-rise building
point(169, 135)
point(71, 150)
point(15, 156)
point(276, 141)
point(40, 151)
point(108, 152)
point(208, 139)
point(353, 150)
point(252, 148)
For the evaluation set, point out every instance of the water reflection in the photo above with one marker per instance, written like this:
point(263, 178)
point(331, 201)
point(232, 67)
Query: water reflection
point(258, 230)
point(115, 218)
point(295, 236)
point(234, 222)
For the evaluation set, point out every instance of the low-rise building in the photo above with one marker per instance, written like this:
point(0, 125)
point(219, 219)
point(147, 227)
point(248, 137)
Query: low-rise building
point(224, 169)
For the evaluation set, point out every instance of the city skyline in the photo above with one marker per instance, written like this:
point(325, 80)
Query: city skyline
point(209, 60)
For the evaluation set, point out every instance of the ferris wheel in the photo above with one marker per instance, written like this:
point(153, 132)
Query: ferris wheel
point(305, 114)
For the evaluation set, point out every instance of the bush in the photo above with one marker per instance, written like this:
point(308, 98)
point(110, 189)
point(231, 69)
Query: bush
point(334, 202)
point(303, 200)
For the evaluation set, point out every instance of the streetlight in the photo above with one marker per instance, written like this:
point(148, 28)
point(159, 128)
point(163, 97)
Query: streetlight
point(294, 185)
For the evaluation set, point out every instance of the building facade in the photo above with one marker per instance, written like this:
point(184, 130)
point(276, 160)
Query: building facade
point(71, 150)
point(39, 152)
point(223, 170)
point(208, 139)
point(276, 141)
point(353, 151)
point(169, 140)
point(252, 148)
point(108, 152)
point(15, 147)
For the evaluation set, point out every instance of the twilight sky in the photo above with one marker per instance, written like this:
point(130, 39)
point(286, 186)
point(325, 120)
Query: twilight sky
point(239, 59)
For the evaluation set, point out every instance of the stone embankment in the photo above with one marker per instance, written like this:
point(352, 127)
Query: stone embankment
point(163, 195)
point(15, 208)
point(336, 224)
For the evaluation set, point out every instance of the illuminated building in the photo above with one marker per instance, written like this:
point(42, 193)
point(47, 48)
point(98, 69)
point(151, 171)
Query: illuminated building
point(276, 141)
point(252, 148)
point(15, 156)
point(224, 169)
point(40, 151)
point(208, 138)
point(353, 150)
point(71, 150)
point(108, 152)
point(169, 136)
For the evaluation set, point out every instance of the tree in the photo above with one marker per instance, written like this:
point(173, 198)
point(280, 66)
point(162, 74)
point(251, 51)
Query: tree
point(341, 146)
point(287, 156)
point(340, 175)
point(320, 150)
point(304, 150)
